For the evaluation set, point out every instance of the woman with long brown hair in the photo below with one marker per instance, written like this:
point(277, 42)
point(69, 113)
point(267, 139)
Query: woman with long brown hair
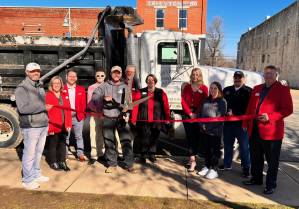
point(193, 94)
point(214, 106)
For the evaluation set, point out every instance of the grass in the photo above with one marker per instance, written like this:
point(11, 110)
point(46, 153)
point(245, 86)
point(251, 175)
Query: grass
point(22, 199)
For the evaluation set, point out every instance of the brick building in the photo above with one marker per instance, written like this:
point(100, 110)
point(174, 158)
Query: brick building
point(186, 15)
point(275, 41)
point(43, 21)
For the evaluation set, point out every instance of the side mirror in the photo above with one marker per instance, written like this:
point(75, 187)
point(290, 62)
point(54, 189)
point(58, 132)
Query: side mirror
point(180, 52)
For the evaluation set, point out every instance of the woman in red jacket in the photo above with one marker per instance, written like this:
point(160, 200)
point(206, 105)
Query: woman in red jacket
point(192, 97)
point(60, 123)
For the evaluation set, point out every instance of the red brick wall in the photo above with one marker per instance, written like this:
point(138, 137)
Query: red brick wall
point(46, 21)
point(196, 21)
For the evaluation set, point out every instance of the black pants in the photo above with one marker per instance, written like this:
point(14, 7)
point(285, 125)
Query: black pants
point(271, 150)
point(195, 142)
point(109, 126)
point(212, 150)
point(148, 136)
point(57, 148)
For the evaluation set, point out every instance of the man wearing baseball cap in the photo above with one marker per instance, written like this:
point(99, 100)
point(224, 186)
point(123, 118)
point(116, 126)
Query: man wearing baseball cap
point(237, 97)
point(30, 100)
point(108, 97)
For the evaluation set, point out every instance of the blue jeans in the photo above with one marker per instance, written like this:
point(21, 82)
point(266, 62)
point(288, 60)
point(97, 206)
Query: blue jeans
point(230, 132)
point(78, 129)
point(34, 143)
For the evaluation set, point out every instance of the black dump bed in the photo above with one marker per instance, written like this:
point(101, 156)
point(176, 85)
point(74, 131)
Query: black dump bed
point(49, 52)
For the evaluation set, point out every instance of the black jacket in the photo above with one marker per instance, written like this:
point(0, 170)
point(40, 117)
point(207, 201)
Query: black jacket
point(237, 101)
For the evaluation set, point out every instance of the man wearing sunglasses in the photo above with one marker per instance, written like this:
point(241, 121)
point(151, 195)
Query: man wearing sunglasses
point(96, 121)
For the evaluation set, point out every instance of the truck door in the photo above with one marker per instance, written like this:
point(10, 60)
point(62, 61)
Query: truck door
point(172, 69)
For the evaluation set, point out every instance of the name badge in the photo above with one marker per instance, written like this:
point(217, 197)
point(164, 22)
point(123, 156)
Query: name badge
point(200, 91)
point(144, 93)
point(66, 97)
point(120, 91)
point(257, 94)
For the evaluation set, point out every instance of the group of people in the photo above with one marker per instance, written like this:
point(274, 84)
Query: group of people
point(63, 109)
point(268, 104)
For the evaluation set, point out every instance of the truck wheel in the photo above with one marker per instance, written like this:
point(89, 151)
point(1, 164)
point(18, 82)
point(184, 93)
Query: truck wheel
point(10, 132)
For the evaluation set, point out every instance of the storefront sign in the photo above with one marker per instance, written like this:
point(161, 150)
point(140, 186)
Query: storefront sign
point(172, 3)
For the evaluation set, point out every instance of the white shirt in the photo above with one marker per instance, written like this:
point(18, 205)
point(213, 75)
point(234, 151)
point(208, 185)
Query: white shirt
point(72, 96)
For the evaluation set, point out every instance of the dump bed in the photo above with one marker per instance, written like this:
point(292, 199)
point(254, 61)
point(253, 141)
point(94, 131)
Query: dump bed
point(49, 52)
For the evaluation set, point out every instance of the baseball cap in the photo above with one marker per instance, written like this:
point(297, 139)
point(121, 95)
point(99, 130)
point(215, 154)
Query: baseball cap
point(32, 66)
point(116, 68)
point(239, 74)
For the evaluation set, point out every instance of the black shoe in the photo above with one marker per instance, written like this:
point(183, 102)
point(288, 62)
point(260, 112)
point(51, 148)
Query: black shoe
point(152, 158)
point(223, 168)
point(63, 166)
point(91, 162)
point(55, 166)
point(101, 159)
point(245, 173)
point(269, 190)
point(142, 159)
point(252, 182)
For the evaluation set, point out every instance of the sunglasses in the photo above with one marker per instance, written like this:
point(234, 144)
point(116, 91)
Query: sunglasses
point(102, 76)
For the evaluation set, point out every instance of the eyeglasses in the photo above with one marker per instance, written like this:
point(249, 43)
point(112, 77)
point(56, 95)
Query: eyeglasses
point(98, 76)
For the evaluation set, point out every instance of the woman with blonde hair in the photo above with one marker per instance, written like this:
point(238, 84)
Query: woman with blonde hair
point(60, 123)
point(193, 94)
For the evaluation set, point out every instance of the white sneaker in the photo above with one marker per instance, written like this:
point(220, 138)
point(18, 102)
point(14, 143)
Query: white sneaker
point(31, 185)
point(42, 179)
point(203, 171)
point(212, 174)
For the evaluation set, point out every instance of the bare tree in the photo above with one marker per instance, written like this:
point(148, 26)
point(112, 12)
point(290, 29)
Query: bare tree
point(214, 41)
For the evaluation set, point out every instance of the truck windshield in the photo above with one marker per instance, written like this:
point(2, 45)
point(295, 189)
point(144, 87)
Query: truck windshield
point(167, 54)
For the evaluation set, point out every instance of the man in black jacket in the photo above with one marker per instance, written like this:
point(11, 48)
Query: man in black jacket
point(237, 97)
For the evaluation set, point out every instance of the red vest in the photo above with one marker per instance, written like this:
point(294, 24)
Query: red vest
point(277, 104)
point(54, 114)
point(80, 101)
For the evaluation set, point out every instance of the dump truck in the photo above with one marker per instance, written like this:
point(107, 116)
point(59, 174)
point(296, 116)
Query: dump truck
point(170, 55)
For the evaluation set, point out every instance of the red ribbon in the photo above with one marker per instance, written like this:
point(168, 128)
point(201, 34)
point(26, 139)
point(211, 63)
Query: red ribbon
point(202, 120)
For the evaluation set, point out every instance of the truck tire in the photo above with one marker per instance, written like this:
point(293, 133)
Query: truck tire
point(10, 132)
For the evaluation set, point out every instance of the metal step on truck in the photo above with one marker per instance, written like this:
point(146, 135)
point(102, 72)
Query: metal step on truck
point(169, 55)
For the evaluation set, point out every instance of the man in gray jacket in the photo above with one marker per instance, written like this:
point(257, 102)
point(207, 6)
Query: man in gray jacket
point(111, 94)
point(30, 100)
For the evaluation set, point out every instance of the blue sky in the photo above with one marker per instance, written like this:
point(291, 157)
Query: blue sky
point(237, 15)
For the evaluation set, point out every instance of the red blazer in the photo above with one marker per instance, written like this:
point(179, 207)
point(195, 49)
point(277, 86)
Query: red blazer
point(54, 114)
point(277, 104)
point(193, 99)
point(80, 101)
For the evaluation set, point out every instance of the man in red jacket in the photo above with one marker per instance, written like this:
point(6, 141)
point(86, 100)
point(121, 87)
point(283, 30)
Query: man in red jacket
point(77, 98)
point(271, 102)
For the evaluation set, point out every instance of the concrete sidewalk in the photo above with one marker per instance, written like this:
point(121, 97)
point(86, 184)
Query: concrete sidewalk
point(166, 178)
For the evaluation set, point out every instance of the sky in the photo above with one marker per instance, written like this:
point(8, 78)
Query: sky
point(237, 15)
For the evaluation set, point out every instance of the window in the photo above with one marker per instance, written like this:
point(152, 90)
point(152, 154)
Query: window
point(182, 19)
point(268, 40)
point(263, 58)
point(159, 18)
point(268, 58)
point(276, 38)
point(167, 54)
point(288, 36)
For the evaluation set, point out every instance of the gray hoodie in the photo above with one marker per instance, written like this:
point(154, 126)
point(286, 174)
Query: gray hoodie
point(109, 88)
point(31, 105)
